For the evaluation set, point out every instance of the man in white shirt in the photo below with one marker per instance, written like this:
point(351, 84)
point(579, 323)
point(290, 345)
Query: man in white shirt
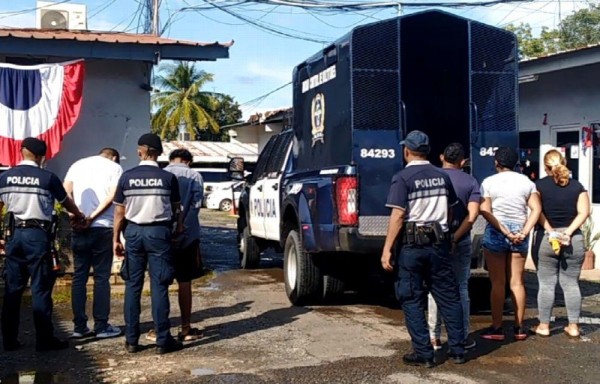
point(92, 183)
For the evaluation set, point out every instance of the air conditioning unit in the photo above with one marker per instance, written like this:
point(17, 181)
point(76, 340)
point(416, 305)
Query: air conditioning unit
point(61, 16)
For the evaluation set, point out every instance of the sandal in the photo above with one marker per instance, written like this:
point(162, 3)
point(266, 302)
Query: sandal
point(572, 335)
point(191, 334)
point(540, 332)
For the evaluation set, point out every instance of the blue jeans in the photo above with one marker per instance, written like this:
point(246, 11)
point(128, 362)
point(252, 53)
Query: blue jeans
point(91, 248)
point(27, 255)
point(461, 264)
point(148, 245)
point(424, 269)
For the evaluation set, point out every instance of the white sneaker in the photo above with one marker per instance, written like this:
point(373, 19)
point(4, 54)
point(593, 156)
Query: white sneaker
point(108, 332)
point(80, 335)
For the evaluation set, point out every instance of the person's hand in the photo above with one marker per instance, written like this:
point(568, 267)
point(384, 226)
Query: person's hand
point(386, 260)
point(514, 238)
point(118, 250)
point(565, 239)
point(2, 242)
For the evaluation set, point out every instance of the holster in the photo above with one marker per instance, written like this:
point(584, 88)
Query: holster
point(8, 226)
point(423, 234)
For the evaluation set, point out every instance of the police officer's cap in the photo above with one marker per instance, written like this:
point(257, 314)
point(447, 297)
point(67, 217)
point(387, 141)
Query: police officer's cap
point(416, 141)
point(151, 140)
point(35, 146)
point(506, 157)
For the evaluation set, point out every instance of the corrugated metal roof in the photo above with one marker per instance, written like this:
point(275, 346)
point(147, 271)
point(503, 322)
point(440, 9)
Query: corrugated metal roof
point(566, 51)
point(211, 151)
point(98, 36)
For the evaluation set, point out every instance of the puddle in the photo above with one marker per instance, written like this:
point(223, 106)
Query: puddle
point(34, 377)
point(202, 372)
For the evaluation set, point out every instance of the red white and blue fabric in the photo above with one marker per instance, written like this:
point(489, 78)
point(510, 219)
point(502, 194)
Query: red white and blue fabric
point(40, 101)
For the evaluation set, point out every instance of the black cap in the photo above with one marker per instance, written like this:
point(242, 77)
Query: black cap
point(151, 140)
point(507, 157)
point(35, 146)
point(416, 141)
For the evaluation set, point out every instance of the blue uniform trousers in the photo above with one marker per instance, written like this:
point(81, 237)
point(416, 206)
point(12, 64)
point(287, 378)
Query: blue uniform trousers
point(27, 255)
point(148, 245)
point(423, 269)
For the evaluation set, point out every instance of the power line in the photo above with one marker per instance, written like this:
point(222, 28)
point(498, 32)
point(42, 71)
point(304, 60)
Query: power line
point(262, 97)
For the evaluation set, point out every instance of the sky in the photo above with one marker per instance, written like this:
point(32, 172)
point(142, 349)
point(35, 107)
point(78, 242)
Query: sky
point(261, 61)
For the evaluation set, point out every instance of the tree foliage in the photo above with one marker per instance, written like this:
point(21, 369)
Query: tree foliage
point(181, 101)
point(577, 30)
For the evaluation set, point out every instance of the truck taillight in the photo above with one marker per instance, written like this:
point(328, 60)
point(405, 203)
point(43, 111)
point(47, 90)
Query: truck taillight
point(346, 198)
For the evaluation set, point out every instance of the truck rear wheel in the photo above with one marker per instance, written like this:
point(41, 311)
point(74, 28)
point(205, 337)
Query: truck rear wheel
point(334, 278)
point(301, 275)
point(249, 250)
point(333, 287)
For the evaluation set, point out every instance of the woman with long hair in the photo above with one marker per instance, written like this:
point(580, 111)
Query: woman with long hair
point(559, 249)
point(507, 195)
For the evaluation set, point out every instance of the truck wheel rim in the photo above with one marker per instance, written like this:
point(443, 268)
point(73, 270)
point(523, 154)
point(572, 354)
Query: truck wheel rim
point(225, 206)
point(242, 244)
point(291, 267)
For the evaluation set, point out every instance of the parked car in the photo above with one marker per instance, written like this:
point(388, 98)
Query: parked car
point(222, 197)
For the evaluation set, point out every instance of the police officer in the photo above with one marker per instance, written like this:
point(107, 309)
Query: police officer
point(147, 199)
point(420, 197)
point(29, 193)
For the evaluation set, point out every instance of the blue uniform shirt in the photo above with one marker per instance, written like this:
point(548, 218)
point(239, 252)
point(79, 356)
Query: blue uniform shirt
point(424, 192)
point(29, 191)
point(148, 193)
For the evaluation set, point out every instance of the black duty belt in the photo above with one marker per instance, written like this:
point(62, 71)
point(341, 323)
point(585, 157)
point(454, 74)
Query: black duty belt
point(33, 223)
point(423, 233)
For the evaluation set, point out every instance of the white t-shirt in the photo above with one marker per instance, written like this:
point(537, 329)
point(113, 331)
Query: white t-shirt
point(92, 179)
point(509, 192)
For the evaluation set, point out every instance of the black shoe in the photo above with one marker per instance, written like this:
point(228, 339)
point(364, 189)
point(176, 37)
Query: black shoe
point(171, 346)
point(132, 348)
point(52, 344)
point(10, 346)
point(520, 333)
point(491, 333)
point(414, 359)
point(458, 358)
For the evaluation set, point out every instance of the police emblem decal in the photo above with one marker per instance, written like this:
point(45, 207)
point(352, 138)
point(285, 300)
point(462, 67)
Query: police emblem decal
point(317, 110)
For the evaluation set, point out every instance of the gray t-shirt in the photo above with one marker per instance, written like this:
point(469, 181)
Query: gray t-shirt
point(509, 192)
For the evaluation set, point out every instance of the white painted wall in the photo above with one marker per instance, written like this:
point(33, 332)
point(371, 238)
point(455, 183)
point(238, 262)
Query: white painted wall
point(259, 134)
point(115, 113)
point(570, 98)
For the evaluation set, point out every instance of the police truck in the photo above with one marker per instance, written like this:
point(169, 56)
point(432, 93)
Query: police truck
point(319, 188)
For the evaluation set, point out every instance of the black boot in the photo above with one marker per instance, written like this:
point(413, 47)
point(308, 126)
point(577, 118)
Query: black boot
point(416, 360)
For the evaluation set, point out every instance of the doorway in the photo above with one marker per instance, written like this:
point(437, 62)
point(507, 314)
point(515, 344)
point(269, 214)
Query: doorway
point(567, 141)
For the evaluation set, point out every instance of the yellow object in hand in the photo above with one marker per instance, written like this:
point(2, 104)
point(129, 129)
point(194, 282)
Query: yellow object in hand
point(555, 243)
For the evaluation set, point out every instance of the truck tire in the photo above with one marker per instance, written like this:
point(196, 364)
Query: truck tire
point(302, 277)
point(249, 250)
point(333, 287)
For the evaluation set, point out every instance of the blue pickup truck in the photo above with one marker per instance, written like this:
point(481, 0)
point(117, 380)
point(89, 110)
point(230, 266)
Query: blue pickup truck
point(319, 188)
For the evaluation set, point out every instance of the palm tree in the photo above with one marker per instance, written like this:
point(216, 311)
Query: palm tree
point(181, 101)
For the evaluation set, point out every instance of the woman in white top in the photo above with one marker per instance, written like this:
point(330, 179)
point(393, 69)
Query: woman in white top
point(507, 196)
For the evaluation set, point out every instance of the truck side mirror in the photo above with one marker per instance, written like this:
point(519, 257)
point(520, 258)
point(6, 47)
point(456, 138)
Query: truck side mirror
point(236, 168)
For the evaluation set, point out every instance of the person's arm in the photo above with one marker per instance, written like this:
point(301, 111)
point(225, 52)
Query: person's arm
point(486, 211)
point(543, 221)
point(535, 209)
point(105, 204)
point(119, 221)
point(583, 212)
point(394, 228)
point(176, 208)
point(68, 186)
point(467, 223)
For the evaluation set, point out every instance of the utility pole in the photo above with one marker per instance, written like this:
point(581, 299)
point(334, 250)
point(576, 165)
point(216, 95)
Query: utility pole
point(155, 10)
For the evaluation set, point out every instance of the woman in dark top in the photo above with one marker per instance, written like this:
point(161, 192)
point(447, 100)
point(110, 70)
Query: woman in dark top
point(565, 207)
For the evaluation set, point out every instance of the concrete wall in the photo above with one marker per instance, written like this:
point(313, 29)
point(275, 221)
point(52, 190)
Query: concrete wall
point(115, 112)
point(570, 98)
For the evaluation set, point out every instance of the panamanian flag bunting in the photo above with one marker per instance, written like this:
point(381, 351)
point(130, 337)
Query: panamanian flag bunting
point(40, 101)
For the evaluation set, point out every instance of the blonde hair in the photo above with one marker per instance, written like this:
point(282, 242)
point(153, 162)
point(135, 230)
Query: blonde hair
point(556, 165)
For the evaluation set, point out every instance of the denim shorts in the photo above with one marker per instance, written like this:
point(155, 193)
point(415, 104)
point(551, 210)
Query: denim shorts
point(496, 242)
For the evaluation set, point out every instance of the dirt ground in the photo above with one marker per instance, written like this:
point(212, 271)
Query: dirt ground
point(253, 335)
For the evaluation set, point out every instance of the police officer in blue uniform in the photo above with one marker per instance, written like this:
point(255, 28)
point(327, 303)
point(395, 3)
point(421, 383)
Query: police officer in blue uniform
point(147, 200)
point(29, 193)
point(420, 197)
